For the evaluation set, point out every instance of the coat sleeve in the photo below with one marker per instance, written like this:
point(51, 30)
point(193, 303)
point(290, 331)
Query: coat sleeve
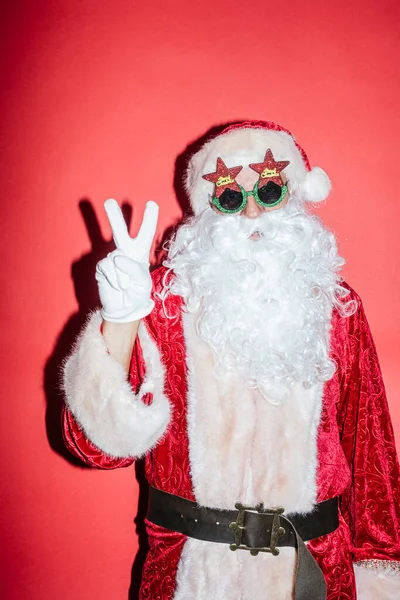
point(108, 420)
point(371, 504)
point(79, 445)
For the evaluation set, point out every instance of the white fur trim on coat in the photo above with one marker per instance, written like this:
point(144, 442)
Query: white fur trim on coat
point(210, 571)
point(102, 401)
point(377, 580)
point(228, 452)
point(228, 464)
point(246, 146)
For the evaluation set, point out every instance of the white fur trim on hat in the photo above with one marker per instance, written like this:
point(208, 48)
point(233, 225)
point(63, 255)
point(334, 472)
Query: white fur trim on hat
point(316, 186)
point(246, 146)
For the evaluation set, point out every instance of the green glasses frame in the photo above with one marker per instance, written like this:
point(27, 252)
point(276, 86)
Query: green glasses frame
point(245, 194)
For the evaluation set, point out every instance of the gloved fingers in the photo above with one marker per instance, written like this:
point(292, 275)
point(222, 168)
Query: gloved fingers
point(105, 270)
point(119, 229)
point(144, 238)
point(129, 267)
point(124, 281)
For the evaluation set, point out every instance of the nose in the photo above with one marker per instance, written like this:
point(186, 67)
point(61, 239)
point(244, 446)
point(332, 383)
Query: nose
point(252, 210)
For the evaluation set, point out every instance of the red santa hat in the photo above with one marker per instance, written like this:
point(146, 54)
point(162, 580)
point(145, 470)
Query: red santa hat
point(245, 143)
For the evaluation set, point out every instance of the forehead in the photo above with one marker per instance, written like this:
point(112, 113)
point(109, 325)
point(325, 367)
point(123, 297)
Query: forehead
point(247, 178)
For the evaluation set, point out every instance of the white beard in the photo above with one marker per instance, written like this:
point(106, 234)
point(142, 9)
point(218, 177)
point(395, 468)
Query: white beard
point(264, 306)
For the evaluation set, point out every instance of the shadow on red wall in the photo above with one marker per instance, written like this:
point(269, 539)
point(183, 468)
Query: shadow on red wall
point(85, 286)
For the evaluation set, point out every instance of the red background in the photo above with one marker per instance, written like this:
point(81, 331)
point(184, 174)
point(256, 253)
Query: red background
point(99, 100)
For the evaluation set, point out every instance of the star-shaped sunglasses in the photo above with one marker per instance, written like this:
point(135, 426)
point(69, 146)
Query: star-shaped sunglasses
point(230, 197)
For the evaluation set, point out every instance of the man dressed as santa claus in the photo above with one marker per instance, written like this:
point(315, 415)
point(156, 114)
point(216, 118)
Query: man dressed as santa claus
point(253, 389)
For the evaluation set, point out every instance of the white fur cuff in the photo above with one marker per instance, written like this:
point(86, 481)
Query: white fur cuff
point(102, 401)
point(377, 579)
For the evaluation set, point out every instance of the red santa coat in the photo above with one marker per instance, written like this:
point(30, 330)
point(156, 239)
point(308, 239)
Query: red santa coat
point(216, 442)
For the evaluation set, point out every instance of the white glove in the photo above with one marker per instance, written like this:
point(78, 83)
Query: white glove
point(123, 276)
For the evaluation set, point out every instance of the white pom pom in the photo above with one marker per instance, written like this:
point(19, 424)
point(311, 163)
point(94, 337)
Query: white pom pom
point(316, 186)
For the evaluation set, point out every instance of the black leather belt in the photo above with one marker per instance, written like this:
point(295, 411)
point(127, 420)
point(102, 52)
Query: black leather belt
point(256, 529)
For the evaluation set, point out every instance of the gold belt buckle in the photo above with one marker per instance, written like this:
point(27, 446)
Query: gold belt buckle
point(238, 527)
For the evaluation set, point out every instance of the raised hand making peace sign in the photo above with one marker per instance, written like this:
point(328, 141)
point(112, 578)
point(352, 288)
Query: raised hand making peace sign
point(123, 276)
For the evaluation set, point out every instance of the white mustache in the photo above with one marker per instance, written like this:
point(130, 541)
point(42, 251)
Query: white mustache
point(233, 283)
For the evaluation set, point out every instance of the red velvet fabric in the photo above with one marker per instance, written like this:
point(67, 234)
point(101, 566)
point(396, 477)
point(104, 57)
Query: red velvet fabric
point(356, 452)
point(357, 456)
point(79, 445)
